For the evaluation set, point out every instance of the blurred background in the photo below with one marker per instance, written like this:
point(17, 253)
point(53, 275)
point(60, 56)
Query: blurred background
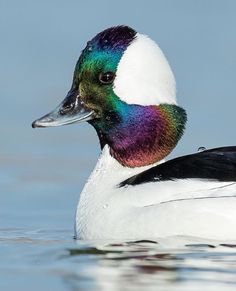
point(43, 171)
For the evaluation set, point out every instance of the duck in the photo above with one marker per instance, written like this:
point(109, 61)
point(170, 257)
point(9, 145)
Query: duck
point(124, 87)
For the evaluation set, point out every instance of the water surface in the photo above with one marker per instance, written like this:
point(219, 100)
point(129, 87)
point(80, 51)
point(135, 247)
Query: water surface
point(51, 260)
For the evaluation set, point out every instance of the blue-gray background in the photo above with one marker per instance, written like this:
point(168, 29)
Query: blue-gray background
point(42, 171)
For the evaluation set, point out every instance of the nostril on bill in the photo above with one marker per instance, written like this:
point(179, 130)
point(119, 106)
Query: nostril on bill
point(66, 108)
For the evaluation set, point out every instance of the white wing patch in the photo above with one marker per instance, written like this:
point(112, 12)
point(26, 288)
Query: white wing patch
point(143, 75)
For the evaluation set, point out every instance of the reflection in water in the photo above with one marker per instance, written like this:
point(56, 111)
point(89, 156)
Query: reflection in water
point(147, 266)
point(177, 263)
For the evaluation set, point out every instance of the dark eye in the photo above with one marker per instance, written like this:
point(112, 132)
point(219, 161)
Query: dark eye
point(106, 78)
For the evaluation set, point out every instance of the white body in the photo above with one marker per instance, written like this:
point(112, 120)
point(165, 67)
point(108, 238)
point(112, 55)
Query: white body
point(189, 207)
point(158, 209)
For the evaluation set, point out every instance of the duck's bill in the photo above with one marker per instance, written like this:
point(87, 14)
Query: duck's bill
point(71, 110)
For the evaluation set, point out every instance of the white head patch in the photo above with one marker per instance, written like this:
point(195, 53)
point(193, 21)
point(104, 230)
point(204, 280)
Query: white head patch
point(143, 75)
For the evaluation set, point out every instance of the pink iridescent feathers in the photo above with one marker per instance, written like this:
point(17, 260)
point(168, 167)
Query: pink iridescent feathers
point(147, 135)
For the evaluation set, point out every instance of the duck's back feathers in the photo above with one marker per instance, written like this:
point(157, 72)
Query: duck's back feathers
point(218, 164)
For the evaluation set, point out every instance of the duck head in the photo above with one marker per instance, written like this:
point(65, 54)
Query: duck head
point(124, 87)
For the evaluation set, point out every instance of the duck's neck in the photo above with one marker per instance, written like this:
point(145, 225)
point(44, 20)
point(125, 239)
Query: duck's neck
point(141, 135)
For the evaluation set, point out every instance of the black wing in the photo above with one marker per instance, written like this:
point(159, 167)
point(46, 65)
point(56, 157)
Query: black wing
point(215, 164)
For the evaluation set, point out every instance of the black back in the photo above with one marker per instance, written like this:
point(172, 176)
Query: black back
point(215, 164)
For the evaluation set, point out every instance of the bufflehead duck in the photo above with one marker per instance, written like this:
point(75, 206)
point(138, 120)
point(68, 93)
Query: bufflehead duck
point(124, 87)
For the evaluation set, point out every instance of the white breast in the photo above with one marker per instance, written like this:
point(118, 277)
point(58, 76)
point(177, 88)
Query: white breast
point(159, 209)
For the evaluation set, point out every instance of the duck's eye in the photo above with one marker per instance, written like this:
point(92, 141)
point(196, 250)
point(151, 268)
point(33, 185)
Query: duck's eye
point(106, 78)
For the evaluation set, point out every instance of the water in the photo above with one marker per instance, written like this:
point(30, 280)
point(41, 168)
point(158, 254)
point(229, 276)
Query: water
point(51, 260)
